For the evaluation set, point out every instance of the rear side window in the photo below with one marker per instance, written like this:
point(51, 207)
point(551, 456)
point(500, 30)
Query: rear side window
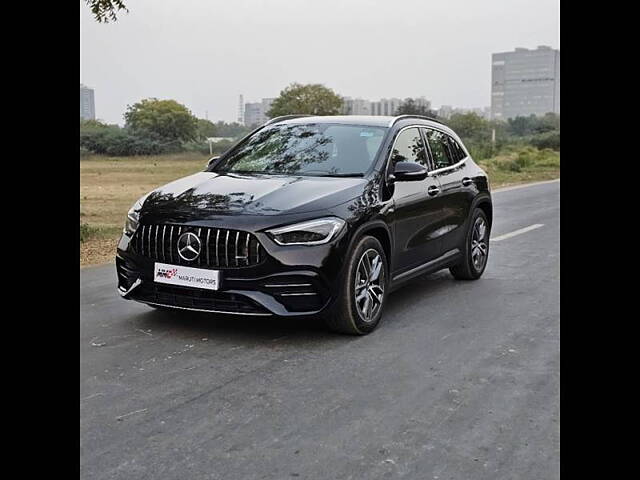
point(456, 150)
point(409, 147)
point(438, 143)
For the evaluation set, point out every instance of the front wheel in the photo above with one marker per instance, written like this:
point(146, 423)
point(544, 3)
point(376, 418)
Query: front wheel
point(476, 249)
point(358, 308)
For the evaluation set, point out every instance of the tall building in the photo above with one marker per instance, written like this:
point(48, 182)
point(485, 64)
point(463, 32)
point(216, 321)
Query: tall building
point(386, 106)
point(525, 82)
point(253, 114)
point(87, 105)
point(383, 107)
point(445, 111)
point(356, 106)
point(256, 113)
point(241, 110)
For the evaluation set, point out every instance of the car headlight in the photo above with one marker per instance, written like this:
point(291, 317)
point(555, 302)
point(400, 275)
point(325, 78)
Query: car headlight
point(133, 217)
point(314, 232)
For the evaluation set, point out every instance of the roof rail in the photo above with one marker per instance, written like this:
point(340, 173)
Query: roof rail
point(423, 117)
point(283, 118)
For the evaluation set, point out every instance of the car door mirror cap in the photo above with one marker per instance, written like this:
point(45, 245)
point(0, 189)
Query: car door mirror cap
point(213, 160)
point(410, 172)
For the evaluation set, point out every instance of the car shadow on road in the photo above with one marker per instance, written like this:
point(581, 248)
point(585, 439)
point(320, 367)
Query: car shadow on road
point(240, 327)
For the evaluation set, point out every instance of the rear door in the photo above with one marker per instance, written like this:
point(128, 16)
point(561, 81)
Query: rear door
point(449, 169)
point(418, 210)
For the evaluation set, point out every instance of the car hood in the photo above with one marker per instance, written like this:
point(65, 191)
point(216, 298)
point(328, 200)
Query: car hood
point(208, 193)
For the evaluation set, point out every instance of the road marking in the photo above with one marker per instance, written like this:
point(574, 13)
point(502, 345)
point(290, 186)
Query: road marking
point(526, 185)
point(517, 232)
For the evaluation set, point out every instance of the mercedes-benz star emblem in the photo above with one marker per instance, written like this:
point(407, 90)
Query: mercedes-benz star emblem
point(189, 246)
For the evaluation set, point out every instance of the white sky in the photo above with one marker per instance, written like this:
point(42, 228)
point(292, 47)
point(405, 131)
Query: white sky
point(204, 53)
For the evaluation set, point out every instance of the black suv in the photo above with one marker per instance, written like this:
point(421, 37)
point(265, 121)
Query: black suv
point(311, 216)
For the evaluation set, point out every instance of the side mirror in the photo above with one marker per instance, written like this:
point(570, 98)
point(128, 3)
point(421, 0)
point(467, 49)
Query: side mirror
point(410, 172)
point(213, 160)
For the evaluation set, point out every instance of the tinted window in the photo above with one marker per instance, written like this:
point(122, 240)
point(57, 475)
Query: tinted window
point(409, 147)
point(309, 149)
point(439, 149)
point(456, 149)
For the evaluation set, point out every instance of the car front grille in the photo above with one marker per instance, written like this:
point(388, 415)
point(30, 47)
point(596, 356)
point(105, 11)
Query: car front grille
point(220, 248)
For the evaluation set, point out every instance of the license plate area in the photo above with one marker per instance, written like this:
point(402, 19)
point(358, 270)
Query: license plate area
point(186, 276)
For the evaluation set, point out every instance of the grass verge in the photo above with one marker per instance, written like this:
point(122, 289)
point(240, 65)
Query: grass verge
point(110, 185)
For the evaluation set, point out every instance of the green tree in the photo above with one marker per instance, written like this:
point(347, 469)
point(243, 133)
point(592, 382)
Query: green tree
point(106, 10)
point(234, 129)
point(469, 125)
point(205, 128)
point(166, 120)
point(311, 99)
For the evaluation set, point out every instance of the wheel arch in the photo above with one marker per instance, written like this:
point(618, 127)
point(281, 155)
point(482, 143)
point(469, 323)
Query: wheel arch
point(379, 230)
point(483, 202)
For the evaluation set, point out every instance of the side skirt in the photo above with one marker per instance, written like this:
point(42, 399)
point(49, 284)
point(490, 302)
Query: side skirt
point(445, 260)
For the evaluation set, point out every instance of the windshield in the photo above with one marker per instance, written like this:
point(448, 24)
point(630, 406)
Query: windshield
point(310, 149)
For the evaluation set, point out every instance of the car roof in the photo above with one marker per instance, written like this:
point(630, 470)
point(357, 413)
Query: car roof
point(368, 120)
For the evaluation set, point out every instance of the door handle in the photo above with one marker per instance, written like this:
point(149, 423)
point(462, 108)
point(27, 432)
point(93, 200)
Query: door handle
point(466, 181)
point(433, 190)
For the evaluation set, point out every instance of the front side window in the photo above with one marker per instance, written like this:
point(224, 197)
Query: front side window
point(439, 149)
point(309, 149)
point(409, 147)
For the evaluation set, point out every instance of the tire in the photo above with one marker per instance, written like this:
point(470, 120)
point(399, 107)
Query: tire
point(349, 314)
point(475, 256)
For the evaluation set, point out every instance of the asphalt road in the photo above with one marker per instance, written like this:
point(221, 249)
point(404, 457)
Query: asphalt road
point(460, 381)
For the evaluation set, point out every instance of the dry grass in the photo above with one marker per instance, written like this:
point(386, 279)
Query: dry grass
point(110, 185)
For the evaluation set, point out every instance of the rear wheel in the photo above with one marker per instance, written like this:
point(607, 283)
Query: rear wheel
point(476, 249)
point(358, 308)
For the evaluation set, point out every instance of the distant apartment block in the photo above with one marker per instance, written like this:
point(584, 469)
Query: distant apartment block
point(525, 82)
point(383, 107)
point(87, 105)
point(256, 113)
point(355, 106)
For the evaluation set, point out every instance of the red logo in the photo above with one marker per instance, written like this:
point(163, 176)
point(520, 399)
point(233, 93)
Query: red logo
point(167, 273)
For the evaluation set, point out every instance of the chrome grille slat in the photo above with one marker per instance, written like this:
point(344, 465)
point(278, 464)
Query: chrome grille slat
point(171, 244)
point(149, 242)
point(246, 258)
point(226, 249)
point(237, 236)
point(156, 240)
point(217, 238)
point(164, 230)
point(207, 247)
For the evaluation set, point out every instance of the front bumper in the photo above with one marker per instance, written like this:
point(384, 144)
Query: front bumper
point(292, 280)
